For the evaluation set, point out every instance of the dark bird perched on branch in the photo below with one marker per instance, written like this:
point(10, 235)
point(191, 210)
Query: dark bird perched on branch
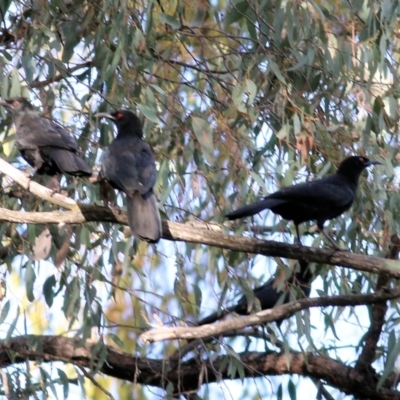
point(272, 293)
point(45, 145)
point(319, 200)
point(128, 165)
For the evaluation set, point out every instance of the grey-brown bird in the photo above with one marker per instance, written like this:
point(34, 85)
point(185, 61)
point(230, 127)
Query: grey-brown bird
point(45, 145)
point(128, 165)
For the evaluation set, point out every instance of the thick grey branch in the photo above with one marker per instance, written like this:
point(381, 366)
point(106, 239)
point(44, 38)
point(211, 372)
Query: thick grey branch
point(188, 374)
point(211, 234)
point(371, 338)
point(202, 233)
point(262, 317)
point(38, 190)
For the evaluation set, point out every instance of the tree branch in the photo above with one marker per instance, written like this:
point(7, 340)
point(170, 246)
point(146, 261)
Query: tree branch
point(188, 232)
point(378, 313)
point(36, 189)
point(206, 234)
point(262, 317)
point(186, 377)
point(65, 74)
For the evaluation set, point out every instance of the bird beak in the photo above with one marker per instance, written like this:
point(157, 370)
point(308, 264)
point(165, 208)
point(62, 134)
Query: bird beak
point(103, 115)
point(372, 162)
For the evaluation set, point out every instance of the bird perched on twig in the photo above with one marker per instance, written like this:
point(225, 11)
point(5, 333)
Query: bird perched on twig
point(45, 145)
point(128, 165)
point(270, 294)
point(319, 200)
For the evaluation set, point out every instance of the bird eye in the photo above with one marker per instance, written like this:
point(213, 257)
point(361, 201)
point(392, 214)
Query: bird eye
point(362, 159)
point(120, 115)
point(15, 103)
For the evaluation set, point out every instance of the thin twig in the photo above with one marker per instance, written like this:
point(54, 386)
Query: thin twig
point(95, 383)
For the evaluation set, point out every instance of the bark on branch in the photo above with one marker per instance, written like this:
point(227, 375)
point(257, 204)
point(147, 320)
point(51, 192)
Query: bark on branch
point(36, 189)
point(203, 233)
point(378, 313)
point(210, 235)
point(262, 317)
point(190, 375)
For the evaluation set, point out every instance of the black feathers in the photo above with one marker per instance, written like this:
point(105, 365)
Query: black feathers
point(270, 294)
point(45, 145)
point(128, 165)
point(319, 200)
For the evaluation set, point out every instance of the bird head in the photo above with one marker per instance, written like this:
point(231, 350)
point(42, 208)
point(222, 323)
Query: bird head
point(16, 104)
point(355, 165)
point(125, 120)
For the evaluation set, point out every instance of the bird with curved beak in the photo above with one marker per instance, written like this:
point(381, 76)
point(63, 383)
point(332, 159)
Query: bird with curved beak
point(128, 165)
point(319, 200)
point(45, 145)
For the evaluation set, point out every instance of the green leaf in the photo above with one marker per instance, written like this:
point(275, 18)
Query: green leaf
point(12, 326)
point(167, 19)
point(279, 394)
point(296, 124)
point(4, 311)
point(204, 136)
point(139, 41)
point(15, 89)
point(30, 278)
point(116, 340)
point(324, 170)
point(198, 295)
point(64, 380)
point(48, 381)
point(72, 299)
point(148, 113)
point(4, 5)
point(236, 13)
point(159, 89)
point(29, 67)
point(48, 292)
point(237, 97)
point(257, 178)
point(275, 69)
point(292, 390)
point(252, 90)
point(393, 353)
point(284, 132)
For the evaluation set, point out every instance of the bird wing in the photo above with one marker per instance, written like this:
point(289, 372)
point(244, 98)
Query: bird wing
point(130, 168)
point(34, 131)
point(331, 190)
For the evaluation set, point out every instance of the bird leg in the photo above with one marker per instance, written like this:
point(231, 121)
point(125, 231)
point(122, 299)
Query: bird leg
point(298, 236)
point(332, 242)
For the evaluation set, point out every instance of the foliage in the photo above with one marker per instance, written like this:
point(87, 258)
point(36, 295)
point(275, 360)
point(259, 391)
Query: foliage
point(238, 98)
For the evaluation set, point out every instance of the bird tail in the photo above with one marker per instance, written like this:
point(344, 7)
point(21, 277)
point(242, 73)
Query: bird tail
point(251, 209)
point(68, 162)
point(144, 218)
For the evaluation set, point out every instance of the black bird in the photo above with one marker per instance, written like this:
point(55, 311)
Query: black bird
point(128, 165)
point(45, 145)
point(319, 200)
point(270, 294)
